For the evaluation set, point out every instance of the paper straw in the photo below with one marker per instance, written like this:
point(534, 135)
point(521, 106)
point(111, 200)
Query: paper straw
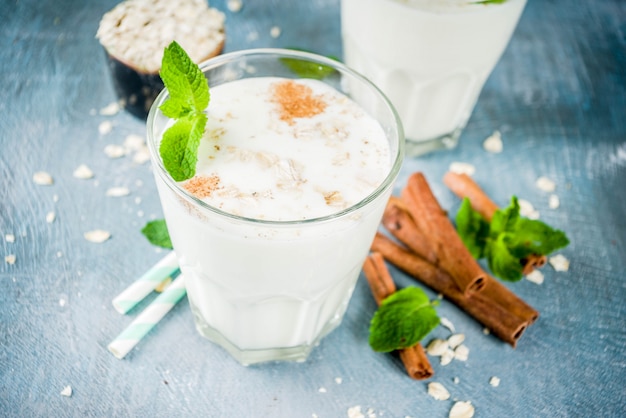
point(143, 286)
point(147, 319)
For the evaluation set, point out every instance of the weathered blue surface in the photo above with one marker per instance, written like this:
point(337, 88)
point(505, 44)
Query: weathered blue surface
point(558, 97)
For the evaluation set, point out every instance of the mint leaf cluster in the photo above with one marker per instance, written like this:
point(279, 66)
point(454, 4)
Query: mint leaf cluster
point(156, 232)
point(403, 319)
point(188, 98)
point(507, 239)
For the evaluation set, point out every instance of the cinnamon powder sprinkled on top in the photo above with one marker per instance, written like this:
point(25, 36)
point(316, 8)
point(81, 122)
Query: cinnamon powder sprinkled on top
point(296, 101)
point(202, 186)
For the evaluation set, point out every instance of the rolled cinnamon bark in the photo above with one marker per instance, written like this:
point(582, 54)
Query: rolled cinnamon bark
point(495, 307)
point(381, 283)
point(464, 186)
point(433, 222)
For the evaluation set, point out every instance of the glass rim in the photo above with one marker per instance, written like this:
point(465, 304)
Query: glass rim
point(280, 53)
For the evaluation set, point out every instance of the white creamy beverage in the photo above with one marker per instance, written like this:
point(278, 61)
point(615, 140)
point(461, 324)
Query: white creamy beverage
point(267, 279)
point(430, 57)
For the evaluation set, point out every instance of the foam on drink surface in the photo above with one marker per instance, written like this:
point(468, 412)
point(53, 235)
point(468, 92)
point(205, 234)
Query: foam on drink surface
point(280, 149)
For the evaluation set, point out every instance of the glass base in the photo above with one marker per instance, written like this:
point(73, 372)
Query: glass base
point(447, 141)
point(253, 356)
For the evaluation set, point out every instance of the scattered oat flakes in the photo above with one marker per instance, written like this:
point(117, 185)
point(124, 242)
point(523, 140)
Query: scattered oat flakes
point(42, 178)
point(559, 262)
point(554, 202)
point(117, 192)
point(545, 184)
point(461, 353)
point(114, 151)
point(133, 142)
point(338, 380)
point(486, 331)
point(535, 276)
point(59, 254)
point(455, 340)
point(275, 32)
point(437, 347)
point(111, 109)
point(527, 209)
point(141, 156)
point(234, 5)
point(438, 391)
point(456, 380)
point(105, 127)
point(462, 409)
point(67, 391)
point(97, 236)
point(493, 143)
point(322, 390)
point(83, 172)
point(447, 323)
point(494, 381)
point(9, 238)
point(50, 217)
point(10, 259)
point(462, 168)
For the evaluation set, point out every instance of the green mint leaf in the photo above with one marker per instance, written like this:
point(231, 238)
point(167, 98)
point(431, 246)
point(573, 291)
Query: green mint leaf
point(188, 98)
point(187, 87)
point(535, 237)
point(156, 232)
point(472, 228)
point(505, 220)
point(489, 2)
point(501, 262)
point(308, 69)
point(179, 146)
point(402, 320)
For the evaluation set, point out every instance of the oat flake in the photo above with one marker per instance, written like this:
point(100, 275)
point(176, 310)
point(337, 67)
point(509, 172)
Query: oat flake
point(355, 412)
point(461, 353)
point(527, 210)
point(105, 127)
point(447, 357)
point(535, 276)
point(462, 409)
point(9, 238)
point(97, 236)
point(438, 391)
point(83, 172)
point(42, 178)
point(111, 109)
point(545, 184)
point(462, 168)
point(554, 202)
point(559, 262)
point(114, 151)
point(10, 259)
point(117, 192)
point(67, 391)
point(275, 32)
point(455, 340)
point(494, 381)
point(234, 5)
point(448, 324)
point(493, 143)
point(50, 217)
point(437, 347)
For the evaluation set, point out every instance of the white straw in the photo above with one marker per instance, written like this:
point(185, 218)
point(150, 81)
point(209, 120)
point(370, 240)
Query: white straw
point(143, 286)
point(148, 318)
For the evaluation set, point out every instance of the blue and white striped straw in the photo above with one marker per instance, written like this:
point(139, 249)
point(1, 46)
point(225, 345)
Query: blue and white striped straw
point(142, 287)
point(148, 318)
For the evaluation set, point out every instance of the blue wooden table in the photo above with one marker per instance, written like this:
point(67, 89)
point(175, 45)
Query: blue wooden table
point(558, 98)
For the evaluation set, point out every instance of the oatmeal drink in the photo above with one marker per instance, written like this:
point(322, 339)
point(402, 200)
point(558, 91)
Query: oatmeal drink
point(431, 58)
point(291, 182)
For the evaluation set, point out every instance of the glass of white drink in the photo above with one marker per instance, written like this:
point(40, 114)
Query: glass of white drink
point(430, 57)
point(291, 181)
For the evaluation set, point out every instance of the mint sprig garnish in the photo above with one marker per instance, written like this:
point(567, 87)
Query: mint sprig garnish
point(403, 319)
point(156, 232)
point(508, 239)
point(188, 98)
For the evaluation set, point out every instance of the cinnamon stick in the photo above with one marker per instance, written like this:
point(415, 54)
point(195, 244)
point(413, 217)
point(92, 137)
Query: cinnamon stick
point(495, 307)
point(464, 186)
point(381, 283)
point(433, 222)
